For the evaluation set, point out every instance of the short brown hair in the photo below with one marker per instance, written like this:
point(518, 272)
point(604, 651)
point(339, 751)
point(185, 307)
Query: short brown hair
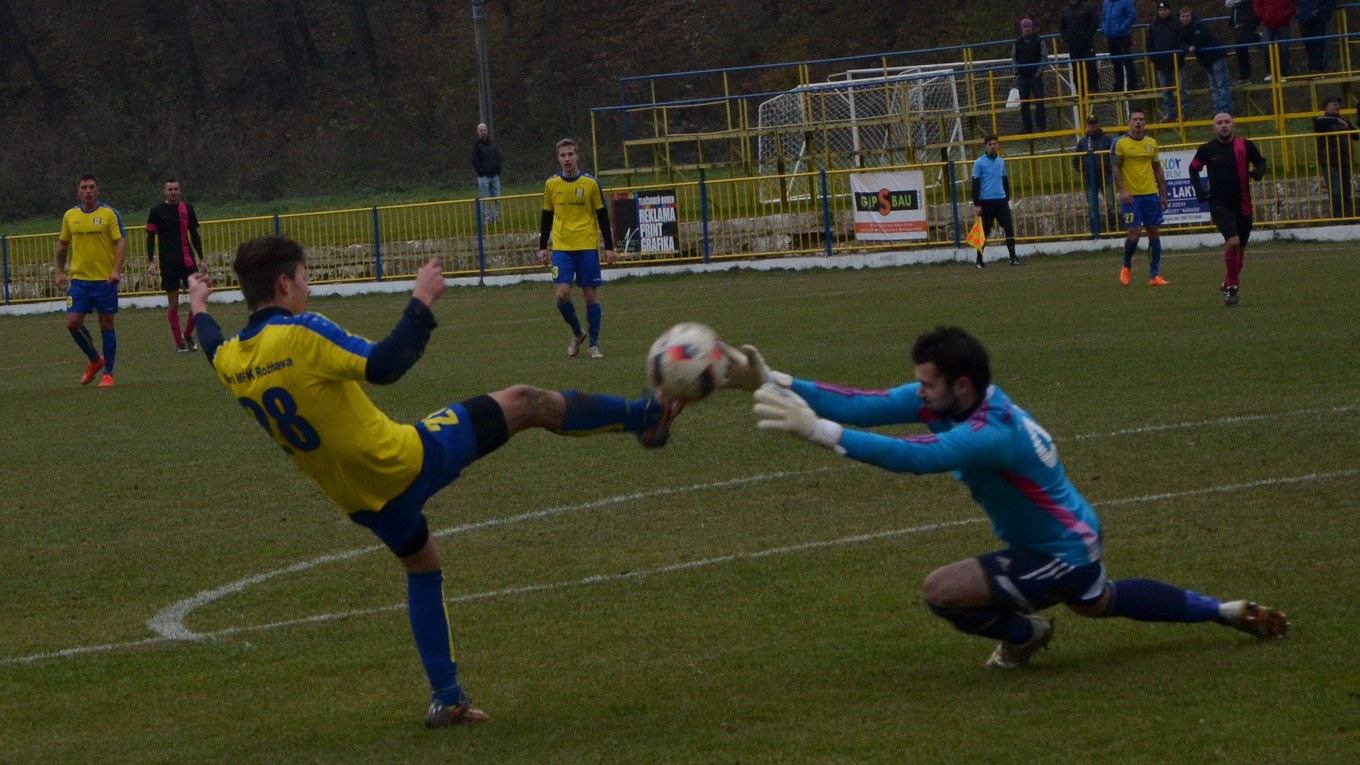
point(260, 262)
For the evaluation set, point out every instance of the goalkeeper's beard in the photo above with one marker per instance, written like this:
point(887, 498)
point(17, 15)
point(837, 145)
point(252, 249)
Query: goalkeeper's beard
point(949, 407)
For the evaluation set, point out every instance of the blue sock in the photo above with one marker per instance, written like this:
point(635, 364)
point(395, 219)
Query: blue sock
point(1155, 256)
point(110, 338)
point(86, 343)
point(1147, 600)
point(593, 319)
point(430, 627)
point(568, 311)
point(590, 413)
point(1130, 247)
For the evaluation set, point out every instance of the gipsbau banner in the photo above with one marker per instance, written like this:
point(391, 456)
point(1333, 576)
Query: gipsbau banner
point(889, 206)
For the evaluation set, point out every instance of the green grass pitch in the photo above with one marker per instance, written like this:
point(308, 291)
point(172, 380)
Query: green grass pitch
point(735, 597)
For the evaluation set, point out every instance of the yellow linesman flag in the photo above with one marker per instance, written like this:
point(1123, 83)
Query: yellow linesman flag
point(977, 238)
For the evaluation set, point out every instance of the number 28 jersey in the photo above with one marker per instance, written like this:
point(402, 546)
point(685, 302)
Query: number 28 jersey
point(1006, 459)
point(299, 377)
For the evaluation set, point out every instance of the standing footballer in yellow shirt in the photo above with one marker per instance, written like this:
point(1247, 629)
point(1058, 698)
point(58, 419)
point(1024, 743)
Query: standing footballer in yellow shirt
point(575, 219)
point(92, 233)
point(1141, 183)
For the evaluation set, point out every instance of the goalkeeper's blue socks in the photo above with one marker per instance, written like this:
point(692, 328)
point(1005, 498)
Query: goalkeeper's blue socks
point(568, 311)
point(593, 321)
point(110, 339)
point(430, 627)
point(1155, 257)
point(1130, 247)
point(85, 341)
point(1147, 600)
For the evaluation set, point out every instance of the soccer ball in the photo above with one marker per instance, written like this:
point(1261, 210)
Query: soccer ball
point(687, 362)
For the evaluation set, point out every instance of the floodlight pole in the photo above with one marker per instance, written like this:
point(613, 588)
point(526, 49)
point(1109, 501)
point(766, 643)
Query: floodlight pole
point(483, 67)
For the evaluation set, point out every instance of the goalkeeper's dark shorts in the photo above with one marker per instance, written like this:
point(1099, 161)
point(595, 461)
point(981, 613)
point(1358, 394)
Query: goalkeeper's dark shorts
point(1230, 222)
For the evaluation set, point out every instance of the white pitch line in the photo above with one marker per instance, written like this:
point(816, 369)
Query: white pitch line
point(603, 578)
point(1217, 421)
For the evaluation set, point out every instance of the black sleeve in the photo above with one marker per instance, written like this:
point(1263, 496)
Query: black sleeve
point(606, 233)
point(150, 244)
point(977, 190)
point(1006, 185)
point(1195, 165)
point(400, 351)
point(476, 160)
point(209, 334)
point(1257, 160)
point(196, 241)
point(545, 229)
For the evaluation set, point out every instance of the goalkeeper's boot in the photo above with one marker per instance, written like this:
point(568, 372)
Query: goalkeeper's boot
point(1014, 656)
point(1158, 281)
point(574, 347)
point(1230, 295)
point(594, 352)
point(1125, 277)
point(441, 715)
point(1255, 619)
point(92, 371)
point(660, 413)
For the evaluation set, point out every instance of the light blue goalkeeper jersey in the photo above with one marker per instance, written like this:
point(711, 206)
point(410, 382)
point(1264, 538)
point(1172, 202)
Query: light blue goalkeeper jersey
point(1007, 460)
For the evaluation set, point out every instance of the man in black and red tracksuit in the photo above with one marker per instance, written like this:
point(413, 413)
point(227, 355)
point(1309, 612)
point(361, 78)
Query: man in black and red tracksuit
point(175, 225)
point(1226, 158)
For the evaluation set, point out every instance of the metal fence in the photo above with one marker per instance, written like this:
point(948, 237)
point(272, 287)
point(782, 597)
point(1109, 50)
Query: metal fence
point(812, 213)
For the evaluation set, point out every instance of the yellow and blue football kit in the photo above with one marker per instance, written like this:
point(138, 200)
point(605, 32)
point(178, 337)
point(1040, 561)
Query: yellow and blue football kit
point(93, 236)
point(574, 203)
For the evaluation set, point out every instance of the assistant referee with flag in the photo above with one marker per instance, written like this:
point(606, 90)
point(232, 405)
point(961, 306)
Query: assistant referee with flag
point(992, 197)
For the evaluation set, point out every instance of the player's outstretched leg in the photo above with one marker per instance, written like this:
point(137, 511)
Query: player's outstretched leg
point(578, 413)
point(1147, 600)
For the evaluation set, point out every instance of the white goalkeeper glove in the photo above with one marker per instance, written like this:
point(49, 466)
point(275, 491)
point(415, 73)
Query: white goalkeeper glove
point(747, 370)
point(782, 409)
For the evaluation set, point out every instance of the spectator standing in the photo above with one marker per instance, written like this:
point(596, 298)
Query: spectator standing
point(1077, 25)
point(1334, 150)
point(93, 233)
point(1314, 16)
point(574, 221)
point(174, 225)
point(1230, 161)
point(992, 196)
point(1274, 16)
point(1168, 61)
point(1029, 56)
point(1094, 164)
point(1116, 23)
point(486, 161)
point(1201, 43)
point(1242, 19)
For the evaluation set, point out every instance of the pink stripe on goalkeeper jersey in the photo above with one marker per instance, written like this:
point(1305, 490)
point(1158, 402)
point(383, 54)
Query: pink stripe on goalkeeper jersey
point(848, 392)
point(1062, 515)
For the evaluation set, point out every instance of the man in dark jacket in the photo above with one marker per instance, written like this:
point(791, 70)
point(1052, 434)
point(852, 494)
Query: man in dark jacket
point(1077, 25)
point(1201, 43)
point(1168, 60)
point(1335, 134)
point(486, 162)
point(1116, 23)
point(1242, 18)
point(1029, 57)
point(1314, 16)
point(1094, 165)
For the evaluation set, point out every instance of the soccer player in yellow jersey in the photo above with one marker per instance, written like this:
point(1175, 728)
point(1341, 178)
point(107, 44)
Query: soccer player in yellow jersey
point(575, 219)
point(298, 375)
point(93, 235)
point(1141, 183)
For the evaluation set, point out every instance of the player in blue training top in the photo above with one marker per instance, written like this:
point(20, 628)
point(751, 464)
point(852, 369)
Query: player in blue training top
point(1010, 465)
point(298, 374)
point(992, 196)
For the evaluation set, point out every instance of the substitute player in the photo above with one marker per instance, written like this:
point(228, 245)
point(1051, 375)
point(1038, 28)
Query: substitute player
point(1010, 465)
point(175, 224)
point(1141, 183)
point(1226, 158)
point(93, 233)
point(298, 374)
point(575, 219)
point(992, 196)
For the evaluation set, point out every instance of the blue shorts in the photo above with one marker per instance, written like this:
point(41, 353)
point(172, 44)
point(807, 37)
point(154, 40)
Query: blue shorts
point(1146, 210)
point(582, 266)
point(86, 295)
point(448, 449)
point(1032, 581)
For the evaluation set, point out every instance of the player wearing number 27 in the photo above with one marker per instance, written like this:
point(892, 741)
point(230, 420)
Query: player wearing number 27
point(297, 373)
point(1010, 465)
